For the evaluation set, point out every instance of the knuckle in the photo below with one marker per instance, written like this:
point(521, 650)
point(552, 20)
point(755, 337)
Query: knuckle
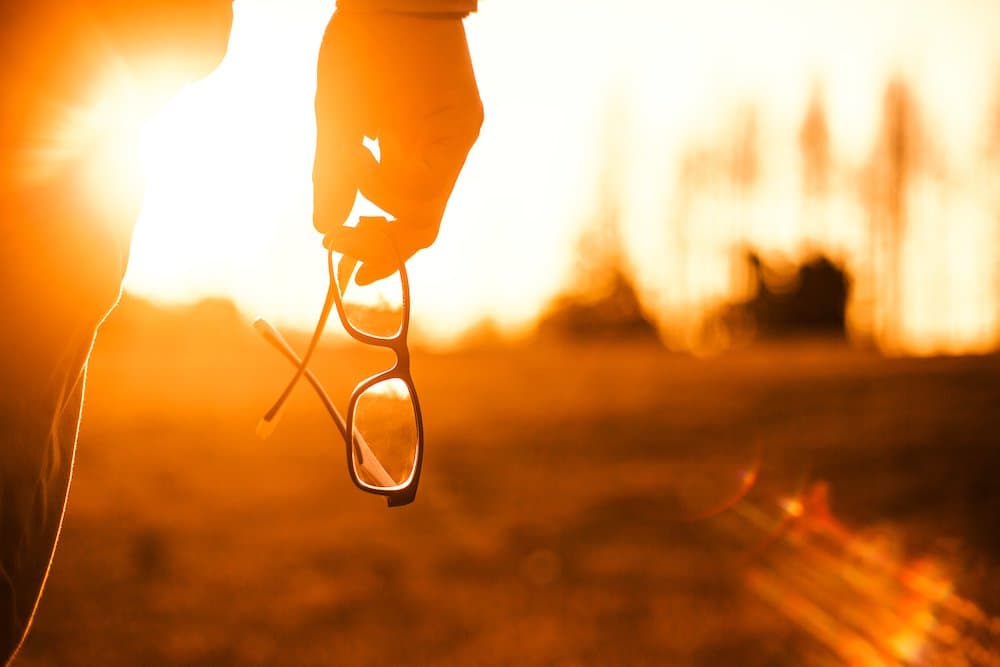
point(475, 118)
point(465, 120)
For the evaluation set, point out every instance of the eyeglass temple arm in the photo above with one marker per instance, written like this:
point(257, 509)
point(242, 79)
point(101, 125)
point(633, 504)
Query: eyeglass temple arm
point(272, 415)
point(366, 457)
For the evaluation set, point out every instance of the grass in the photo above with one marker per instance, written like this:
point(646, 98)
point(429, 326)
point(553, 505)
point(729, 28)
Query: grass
point(550, 528)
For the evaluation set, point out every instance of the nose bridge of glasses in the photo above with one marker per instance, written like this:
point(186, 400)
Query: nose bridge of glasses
point(402, 351)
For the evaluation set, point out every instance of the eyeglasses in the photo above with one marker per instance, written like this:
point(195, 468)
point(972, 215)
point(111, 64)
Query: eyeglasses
point(386, 441)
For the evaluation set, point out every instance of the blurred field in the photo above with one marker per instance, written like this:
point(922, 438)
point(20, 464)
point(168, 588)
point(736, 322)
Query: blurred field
point(550, 526)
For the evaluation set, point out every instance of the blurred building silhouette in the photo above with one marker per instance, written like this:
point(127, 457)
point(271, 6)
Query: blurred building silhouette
point(810, 300)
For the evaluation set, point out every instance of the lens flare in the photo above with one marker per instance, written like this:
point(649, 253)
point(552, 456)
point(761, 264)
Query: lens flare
point(859, 596)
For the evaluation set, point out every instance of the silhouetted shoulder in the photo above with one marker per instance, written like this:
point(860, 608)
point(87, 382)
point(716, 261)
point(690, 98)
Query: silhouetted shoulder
point(189, 36)
point(47, 43)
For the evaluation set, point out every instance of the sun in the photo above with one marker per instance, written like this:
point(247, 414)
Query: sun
point(228, 164)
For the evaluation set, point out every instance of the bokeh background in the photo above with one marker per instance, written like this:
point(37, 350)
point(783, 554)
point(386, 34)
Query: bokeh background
point(693, 132)
point(706, 351)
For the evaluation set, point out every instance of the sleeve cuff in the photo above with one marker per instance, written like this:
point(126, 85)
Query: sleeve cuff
point(438, 7)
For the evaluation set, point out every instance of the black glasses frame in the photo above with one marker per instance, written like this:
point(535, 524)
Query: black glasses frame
point(396, 495)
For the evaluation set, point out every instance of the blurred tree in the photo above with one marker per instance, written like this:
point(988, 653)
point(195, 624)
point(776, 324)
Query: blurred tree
point(816, 165)
point(993, 185)
point(693, 176)
point(900, 153)
point(744, 152)
point(738, 159)
point(722, 174)
point(602, 300)
point(600, 253)
point(814, 146)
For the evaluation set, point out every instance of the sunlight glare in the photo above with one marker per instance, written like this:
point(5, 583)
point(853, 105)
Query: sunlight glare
point(229, 204)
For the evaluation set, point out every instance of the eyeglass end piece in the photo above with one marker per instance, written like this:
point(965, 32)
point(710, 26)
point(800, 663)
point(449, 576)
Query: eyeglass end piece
point(265, 427)
point(402, 499)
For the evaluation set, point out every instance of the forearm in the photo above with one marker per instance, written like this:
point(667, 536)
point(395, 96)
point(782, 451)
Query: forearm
point(59, 275)
point(37, 448)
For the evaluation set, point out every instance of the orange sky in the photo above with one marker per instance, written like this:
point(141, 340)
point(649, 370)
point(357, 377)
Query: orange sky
point(228, 211)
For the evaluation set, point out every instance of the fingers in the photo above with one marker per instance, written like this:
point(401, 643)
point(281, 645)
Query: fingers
point(420, 165)
point(428, 111)
point(335, 183)
point(418, 169)
point(353, 242)
point(370, 273)
point(340, 127)
point(373, 243)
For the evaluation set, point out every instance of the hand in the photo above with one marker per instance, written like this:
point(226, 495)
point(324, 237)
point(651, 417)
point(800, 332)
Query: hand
point(373, 238)
point(406, 80)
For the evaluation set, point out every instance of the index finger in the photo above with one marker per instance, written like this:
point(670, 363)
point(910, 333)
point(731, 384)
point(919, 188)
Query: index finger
point(342, 107)
point(421, 162)
point(347, 241)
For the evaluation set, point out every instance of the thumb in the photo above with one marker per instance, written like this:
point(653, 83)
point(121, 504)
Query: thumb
point(373, 242)
point(336, 173)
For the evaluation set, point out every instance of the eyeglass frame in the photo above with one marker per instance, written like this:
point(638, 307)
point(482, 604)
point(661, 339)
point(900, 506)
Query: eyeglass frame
point(401, 494)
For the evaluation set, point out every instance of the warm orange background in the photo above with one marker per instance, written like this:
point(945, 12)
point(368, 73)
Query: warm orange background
point(583, 501)
point(577, 90)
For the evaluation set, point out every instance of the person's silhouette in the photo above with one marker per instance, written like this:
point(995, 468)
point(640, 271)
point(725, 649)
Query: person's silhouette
point(65, 247)
point(66, 237)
